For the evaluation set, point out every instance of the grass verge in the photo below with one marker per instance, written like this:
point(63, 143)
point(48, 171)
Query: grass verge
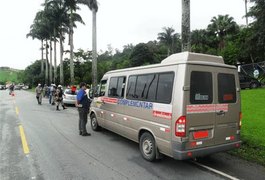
point(253, 126)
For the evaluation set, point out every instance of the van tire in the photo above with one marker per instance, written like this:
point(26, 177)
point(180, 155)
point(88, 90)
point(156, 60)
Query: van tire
point(148, 146)
point(94, 123)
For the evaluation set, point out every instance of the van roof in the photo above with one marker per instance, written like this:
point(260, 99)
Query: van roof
point(189, 56)
point(183, 58)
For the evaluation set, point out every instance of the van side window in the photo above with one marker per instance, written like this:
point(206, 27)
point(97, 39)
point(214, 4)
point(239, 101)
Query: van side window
point(164, 88)
point(151, 87)
point(131, 87)
point(116, 87)
point(102, 88)
point(226, 88)
point(121, 86)
point(201, 88)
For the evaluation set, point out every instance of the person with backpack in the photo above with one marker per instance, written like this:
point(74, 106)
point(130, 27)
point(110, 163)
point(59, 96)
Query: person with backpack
point(83, 105)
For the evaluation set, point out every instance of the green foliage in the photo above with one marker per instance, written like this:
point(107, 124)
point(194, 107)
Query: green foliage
point(141, 55)
point(9, 75)
point(230, 53)
point(32, 75)
point(253, 125)
point(170, 39)
point(257, 38)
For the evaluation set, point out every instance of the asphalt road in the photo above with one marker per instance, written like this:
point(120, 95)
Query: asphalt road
point(56, 150)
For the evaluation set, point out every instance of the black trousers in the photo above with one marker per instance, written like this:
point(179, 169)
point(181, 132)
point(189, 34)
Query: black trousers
point(83, 112)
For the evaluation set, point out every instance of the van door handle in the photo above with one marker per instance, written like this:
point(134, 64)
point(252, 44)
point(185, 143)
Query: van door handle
point(220, 113)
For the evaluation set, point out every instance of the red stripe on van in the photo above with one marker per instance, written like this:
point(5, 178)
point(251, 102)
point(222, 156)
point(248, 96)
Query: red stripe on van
point(205, 108)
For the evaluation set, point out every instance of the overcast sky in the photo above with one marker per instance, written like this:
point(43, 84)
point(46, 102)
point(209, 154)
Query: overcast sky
point(119, 22)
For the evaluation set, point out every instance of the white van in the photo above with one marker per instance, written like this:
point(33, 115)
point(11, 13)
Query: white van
point(186, 106)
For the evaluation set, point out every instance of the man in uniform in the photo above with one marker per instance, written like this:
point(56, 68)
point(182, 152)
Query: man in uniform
point(83, 105)
point(59, 97)
point(38, 91)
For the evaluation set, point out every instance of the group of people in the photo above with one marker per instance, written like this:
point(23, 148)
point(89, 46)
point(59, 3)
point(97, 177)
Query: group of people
point(55, 94)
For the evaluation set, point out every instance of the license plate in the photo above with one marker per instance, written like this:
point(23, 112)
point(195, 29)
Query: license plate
point(200, 134)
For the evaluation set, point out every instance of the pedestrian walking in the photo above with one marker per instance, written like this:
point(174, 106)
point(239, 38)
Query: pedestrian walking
point(51, 94)
point(11, 89)
point(38, 91)
point(59, 98)
point(83, 105)
point(45, 91)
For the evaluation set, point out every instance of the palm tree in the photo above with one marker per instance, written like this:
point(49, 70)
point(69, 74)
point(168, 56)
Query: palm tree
point(34, 34)
point(223, 26)
point(167, 37)
point(72, 7)
point(39, 30)
point(199, 41)
point(50, 25)
point(246, 11)
point(93, 6)
point(185, 25)
point(59, 20)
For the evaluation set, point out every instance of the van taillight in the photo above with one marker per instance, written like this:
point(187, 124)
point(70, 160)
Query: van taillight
point(240, 120)
point(180, 129)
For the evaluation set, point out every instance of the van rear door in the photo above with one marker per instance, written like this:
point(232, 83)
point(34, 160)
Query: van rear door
point(200, 112)
point(212, 106)
point(227, 106)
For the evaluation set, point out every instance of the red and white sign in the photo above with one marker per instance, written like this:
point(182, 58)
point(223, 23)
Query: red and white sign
point(162, 110)
point(110, 100)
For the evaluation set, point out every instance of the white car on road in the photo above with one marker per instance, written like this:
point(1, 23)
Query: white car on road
point(69, 97)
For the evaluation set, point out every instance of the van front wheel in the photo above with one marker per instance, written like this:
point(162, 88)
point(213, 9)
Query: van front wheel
point(94, 123)
point(148, 146)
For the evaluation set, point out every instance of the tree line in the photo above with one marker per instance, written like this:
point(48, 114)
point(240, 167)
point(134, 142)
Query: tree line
point(223, 37)
point(52, 24)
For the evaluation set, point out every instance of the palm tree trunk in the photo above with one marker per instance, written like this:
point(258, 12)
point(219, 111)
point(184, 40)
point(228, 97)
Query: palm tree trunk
point(185, 25)
point(50, 61)
point(246, 11)
point(55, 59)
point(46, 63)
point(61, 60)
point(42, 64)
point(71, 49)
point(94, 47)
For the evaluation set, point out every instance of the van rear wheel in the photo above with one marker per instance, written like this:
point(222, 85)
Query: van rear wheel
point(148, 146)
point(94, 123)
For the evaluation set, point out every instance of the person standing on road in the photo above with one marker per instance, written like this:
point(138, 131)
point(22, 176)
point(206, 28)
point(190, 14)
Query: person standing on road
point(59, 98)
point(45, 91)
point(83, 105)
point(38, 91)
point(11, 89)
point(51, 94)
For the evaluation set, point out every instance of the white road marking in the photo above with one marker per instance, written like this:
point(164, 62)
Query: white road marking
point(215, 171)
